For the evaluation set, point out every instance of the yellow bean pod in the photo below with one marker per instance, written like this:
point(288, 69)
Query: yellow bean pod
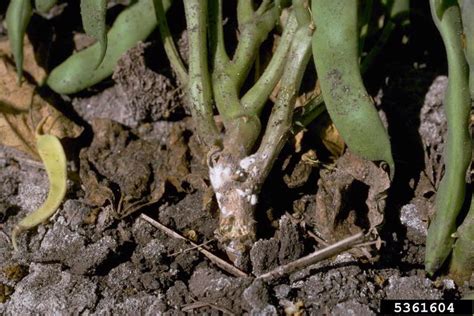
point(54, 159)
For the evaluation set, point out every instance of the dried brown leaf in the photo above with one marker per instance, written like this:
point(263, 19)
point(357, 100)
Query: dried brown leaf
point(21, 109)
point(330, 136)
point(350, 197)
point(29, 59)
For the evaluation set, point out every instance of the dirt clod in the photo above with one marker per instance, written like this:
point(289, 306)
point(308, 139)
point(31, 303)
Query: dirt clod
point(150, 95)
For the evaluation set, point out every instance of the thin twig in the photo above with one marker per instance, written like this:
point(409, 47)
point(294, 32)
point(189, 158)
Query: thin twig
point(5, 235)
point(200, 304)
point(23, 160)
point(224, 265)
point(190, 248)
point(314, 257)
point(369, 243)
point(317, 238)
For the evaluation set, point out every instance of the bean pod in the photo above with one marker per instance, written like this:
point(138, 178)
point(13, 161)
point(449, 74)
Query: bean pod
point(18, 16)
point(457, 152)
point(79, 71)
point(93, 20)
point(336, 55)
point(52, 154)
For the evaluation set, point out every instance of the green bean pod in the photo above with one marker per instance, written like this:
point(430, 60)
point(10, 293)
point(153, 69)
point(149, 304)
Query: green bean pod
point(462, 261)
point(54, 159)
point(457, 151)
point(336, 55)
point(44, 6)
point(79, 71)
point(467, 12)
point(93, 20)
point(18, 16)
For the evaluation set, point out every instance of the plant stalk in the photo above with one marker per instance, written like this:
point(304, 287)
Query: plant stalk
point(199, 87)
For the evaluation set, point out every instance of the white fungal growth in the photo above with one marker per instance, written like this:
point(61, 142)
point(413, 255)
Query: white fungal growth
point(224, 211)
point(247, 162)
point(219, 175)
point(240, 173)
point(253, 199)
point(248, 195)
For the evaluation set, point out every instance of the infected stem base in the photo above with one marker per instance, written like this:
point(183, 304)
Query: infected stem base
point(237, 199)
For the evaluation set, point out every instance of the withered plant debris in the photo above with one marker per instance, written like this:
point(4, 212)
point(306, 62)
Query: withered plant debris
point(21, 108)
point(350, 198)
point(300, 173)
point(130, 172)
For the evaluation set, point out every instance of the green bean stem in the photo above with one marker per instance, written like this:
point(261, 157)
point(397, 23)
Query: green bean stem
point(224, 82)
point(256, 97)
point(335, 51)
point(18, 16)
point(78, 72)
point(457, 151)
point(467, 11)
point(254, 29)
point(199, 87)
point(168, 44)
point(281, 119)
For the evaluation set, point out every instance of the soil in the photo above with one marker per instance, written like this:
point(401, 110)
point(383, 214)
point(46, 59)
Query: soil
point(139, 155)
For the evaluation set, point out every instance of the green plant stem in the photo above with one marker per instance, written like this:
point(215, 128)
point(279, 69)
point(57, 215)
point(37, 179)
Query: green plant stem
point(457, 151)
point(462, 261)
point(308, 112)
point(244, 11)
point(169, 45)
point(281, 119)
point(253, 32)
point(225, 91)
point(467, 11)
point(217, 42)
point(256, 97)
point(199, 87)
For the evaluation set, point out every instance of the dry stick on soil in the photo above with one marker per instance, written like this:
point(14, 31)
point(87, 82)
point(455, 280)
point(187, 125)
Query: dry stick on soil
point(313, 258)
point(229, 268)
point(317, 238)
point(22, 160)
point(174, 254)
point(198, 304)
